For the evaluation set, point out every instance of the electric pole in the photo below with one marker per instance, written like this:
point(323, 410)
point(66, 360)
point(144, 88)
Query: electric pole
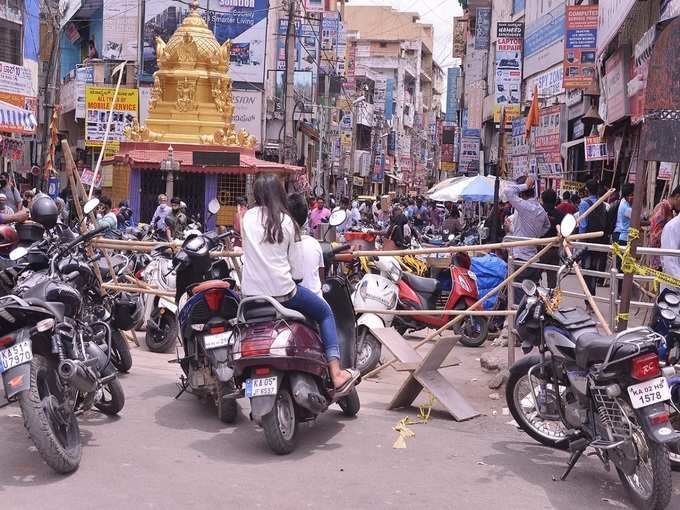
point(289, 86)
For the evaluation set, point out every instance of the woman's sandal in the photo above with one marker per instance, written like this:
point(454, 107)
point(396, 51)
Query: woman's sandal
point(349, 384)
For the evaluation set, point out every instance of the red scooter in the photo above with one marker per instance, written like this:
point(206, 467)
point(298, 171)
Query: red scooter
point(279, 359)
point(418, 293)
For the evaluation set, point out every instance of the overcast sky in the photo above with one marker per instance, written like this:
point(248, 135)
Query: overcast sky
point(439, 13)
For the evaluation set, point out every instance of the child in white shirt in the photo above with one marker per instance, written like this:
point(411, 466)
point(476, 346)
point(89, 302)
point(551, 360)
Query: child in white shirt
point(309, 266)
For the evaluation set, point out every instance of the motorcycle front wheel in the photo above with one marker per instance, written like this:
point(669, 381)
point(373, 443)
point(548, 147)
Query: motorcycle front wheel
point(164, 337)
point(522, 399)
point(650, 486)
point(121, 357)
point(368, 351)
point(473, 330)
point(49, 419)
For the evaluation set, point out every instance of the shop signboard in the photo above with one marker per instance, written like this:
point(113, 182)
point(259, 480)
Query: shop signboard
point(452, 75)
point(595, 149)
point(548, 83)
point(248, 112)
point(459, 29)
point(547, 141)
point(483, 28)
point(84, 75)
point(508, 84)
point(580, 46)
point(98, 101)
point(244, 22)
point(448, 145)
point(469, 154)
point(519, 156)
point(543, 42)
point(17, 89)
point(611, 15)
point(615, 85)
point(16, 80)
point(119, 29)
point(637, 85)
point(314, 5)
point(665, 171)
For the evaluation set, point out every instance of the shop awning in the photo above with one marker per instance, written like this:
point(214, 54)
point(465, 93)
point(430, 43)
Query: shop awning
point(16, 120)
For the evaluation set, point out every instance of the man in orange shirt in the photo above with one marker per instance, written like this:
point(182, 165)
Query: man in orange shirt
point(662, 214)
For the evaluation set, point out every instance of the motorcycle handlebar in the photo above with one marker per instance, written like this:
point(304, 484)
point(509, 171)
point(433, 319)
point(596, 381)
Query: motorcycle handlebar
point(341, 248)
point(86, 237)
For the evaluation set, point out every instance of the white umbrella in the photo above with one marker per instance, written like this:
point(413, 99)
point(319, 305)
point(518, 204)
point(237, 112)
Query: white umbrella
point(470, 189)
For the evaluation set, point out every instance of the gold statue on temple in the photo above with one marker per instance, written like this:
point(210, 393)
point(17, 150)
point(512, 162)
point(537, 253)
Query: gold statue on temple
point(191, 99)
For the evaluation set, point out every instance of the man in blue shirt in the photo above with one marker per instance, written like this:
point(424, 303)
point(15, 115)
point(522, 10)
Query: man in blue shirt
point(595, 222)
point(623, 215)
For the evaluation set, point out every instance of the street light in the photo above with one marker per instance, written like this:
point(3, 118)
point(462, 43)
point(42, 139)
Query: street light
point(170, 167)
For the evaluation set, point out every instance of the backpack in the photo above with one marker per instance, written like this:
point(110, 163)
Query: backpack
point(612, 215)
point(597, 221)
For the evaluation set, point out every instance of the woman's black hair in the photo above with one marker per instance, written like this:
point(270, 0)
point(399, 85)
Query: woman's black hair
point(270, 195)
point(297, 204)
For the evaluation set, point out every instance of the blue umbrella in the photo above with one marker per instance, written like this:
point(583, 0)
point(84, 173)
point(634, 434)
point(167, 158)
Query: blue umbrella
point(470, 189)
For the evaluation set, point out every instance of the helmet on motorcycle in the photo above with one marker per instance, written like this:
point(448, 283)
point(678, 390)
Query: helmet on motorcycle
point(127, 311)
point(8, 239)
point(197, 249)
point(44, 211)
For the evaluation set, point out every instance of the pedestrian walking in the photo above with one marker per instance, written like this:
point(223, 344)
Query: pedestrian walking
point(596, 221)
point(623, 215)
point(555, 216)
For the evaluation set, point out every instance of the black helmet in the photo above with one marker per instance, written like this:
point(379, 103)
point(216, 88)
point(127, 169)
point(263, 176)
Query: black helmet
point(44, 211)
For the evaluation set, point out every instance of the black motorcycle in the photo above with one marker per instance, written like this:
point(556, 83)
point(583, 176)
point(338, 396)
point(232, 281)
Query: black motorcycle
point(584, 390)
point(51, 361)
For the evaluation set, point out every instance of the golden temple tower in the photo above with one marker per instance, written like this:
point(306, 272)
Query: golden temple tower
point(191, 99)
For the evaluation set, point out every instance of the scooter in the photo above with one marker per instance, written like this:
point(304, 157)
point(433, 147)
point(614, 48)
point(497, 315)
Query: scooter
point(279, 359)
point(418, 293)
point(160, 313)
point(377, 290)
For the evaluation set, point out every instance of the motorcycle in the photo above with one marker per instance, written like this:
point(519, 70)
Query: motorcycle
point(160, 313)
point(207, 305)
point(377, 290)
point(278, 358)
point(418, 293)
point(584, 389)
point(51, 362)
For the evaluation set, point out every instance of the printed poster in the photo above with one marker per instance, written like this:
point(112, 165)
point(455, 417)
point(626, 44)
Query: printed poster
point(483, 28)
point(97, 104)
point(119, 29)
point(595, 149)
point(580, 46)
point(547, 141)
point(509, 40)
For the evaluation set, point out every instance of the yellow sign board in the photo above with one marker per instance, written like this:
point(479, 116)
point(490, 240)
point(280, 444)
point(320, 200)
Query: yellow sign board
point(97, 105)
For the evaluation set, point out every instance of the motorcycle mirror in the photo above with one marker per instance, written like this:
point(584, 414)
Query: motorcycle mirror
point(451, 237)
point(90, 205)
point(214, 206)
point(18, 253)
point(337, 218)
point(568, 225)
point(529, 287)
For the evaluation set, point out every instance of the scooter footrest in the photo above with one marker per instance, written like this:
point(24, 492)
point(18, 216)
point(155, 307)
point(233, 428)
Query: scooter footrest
point(603, 444)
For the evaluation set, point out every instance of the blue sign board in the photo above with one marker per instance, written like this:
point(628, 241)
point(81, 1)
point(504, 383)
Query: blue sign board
point(518, 6)
point(389, 99)
point(547, 30)
point(452, 75)
point(483, 28)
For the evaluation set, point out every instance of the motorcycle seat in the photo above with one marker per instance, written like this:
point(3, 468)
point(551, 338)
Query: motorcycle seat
point(265, 308)
point(54, 307)
point(420, 284)
point(592, 347)
point(208, 285)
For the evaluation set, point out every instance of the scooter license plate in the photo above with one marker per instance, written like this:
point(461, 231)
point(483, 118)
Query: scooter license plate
point(218, 340)
point(649, 392)
point(261, 386)
point(15, 355)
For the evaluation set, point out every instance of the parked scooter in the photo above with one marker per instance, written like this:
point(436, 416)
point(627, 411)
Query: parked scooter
point(377, 290)
point(160, 312)
point(207, 306)
point(418, 293)
point(279, 358)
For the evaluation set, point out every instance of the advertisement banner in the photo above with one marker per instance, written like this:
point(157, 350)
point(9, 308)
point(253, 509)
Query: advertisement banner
point(17, 90)
point(248, 112)
point(448, 144)
point(665, 171)
point(469, 154)
point(452, 75)
point(637, 86)
point(330, 30)
point(242, 21)
point(509, 40)
point(519, 156)
point(483, 28)
point(389, 99)
point(119, 29)
point(595, 149)
point(615, 88)
point(580, 46)
point(97, 104)
point(548, 83)
point(547, 141)
point(544, 33)
point(84, 75)
point(314, 5)
point(16, 80)
point(459, 29)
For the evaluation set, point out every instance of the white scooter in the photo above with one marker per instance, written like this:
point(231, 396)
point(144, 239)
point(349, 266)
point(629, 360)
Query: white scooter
point(375, 291)
point(160, 313)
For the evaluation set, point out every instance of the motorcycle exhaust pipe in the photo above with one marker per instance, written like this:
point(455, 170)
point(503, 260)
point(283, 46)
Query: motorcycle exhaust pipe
point(75, 373)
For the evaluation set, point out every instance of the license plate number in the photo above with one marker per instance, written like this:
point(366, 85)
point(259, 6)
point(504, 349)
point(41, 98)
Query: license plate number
point(261, 386)
point(218, 340)
point(649, 392)
point(15, 355)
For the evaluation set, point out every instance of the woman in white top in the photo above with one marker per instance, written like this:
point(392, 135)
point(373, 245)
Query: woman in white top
point(269, 238)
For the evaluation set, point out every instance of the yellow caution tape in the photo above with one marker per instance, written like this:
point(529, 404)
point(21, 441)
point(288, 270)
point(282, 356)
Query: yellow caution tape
point(623, 317)
point(630, 265)
point(402, 426)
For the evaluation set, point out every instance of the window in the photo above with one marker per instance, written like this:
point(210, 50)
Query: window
point(10, 42)
point(383, 45)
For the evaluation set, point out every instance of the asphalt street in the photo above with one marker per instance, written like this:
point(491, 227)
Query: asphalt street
point(163, 453)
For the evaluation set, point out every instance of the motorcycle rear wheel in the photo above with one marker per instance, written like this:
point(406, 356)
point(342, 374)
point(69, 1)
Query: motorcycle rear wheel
point(280, 424)
point(52, 426)
point(113, 398)
point(650, 487)
point(522, 408)
point(350, 404)
point(165, 338)
point(472, 330)
point(120, 352)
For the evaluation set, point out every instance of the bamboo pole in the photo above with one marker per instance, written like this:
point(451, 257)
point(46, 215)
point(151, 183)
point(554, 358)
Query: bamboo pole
point(476, 313)
point(131, 288)
point(475, 305)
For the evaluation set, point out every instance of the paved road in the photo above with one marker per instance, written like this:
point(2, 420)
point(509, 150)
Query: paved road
point(174, 454)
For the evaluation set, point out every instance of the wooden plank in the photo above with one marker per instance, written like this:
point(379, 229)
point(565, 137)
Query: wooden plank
point(440, 350)
point(446, 394)
point(408, 392)
point(400, 348)
point(405, 367)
